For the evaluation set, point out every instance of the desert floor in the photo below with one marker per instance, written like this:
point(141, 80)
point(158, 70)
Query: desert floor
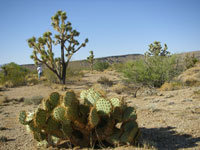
point(167, 119)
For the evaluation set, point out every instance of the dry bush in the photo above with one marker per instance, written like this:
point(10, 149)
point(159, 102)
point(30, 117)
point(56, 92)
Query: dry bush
point(105, 81)
point(170, 86)
point(190, 77)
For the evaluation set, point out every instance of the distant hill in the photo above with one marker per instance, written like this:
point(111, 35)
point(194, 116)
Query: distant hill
point(112, 59)
point(85, 64)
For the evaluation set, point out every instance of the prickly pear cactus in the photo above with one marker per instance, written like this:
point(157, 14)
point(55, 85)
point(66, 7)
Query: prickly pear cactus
point(82, 122)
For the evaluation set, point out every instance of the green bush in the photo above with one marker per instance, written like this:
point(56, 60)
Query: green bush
point(153, 71)
point(190, 60)
point(101, 66)
point(157, 67)
point(13, 74)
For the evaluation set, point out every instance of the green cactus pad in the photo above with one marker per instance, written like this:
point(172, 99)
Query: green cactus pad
point(52, 124)
point(32, 127)
point(54, 99)
point(103, 106)
point(114, 139)
point(92, 96)
point(83, 112)
point(46, 105)
point(39, 136)
point(117, 114)
point(130, 131)
point(129, 114)
point(93, 117)
point(22, 118)
point(116, 102)
point(83, 94)
point(70, 99)
point(59, 113)
point(40, 117)
point(67, 129)
point(72, 112)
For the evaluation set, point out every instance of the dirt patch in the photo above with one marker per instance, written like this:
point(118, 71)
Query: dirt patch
point(168, 120)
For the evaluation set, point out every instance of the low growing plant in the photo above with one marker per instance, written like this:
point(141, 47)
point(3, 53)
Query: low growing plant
point(101, 66)
point(83, 122)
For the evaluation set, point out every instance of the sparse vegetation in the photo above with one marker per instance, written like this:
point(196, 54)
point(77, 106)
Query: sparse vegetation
point(43, 46)
point(190, 60)
point(90, 59)
point(101, 66)
point(13, 75)
point(105, 81)
point(157, 67)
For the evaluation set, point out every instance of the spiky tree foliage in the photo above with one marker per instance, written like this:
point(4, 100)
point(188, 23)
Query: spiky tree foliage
point(90, 59)
point(65, 37)
point(155, 49)
point(82, 122)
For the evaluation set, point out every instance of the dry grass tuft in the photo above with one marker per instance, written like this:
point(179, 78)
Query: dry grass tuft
point(190, 77)
point(170, 86)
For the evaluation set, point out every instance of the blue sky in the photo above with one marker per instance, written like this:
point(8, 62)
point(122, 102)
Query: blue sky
point(114, 27)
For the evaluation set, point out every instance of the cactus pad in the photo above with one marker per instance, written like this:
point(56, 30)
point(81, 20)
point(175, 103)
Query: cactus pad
point(129, 114)
point(70, 98)
point(116, 102)
point(22, 118)
point(103, 106)
point(130, 132)
point(54, 99)
point(52, 124)
point(93, 117)
point(59, 113)
point(92, 96)
point(67, 129)
point(40, 117)
point(39, 136)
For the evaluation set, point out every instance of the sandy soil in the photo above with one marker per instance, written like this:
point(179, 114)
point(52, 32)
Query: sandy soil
point(168, 119)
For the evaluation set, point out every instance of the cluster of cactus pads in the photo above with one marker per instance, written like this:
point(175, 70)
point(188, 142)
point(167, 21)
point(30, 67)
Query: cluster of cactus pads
point(92, 119)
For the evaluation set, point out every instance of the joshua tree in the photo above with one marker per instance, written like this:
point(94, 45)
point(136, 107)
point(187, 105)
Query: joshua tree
point(43, 46)
point(90, 59)
point(155, 49)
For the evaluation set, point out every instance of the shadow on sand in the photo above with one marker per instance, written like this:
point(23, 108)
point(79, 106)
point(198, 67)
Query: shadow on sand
point(167, 138)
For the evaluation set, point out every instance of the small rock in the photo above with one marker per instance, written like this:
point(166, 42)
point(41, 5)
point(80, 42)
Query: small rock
point(171, 103)
point(160, 94)
point(169, 96)
point(156, 101)
point(187, 100)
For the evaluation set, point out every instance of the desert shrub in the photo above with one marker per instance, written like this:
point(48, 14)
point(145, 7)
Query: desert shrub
point(50, 76)
point(190, 60)
point(117, 66)
point(74, 74)
point(101, 66)
point(105, 81)
point(36, 100)
point(13, 74)
point(155, 69)
point(170, 86)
